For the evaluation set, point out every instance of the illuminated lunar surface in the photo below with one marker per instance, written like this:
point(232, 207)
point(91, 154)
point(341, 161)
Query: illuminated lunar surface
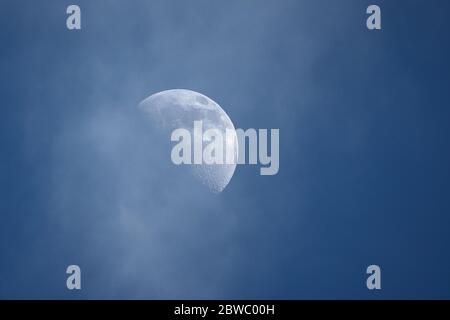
point(179, 108)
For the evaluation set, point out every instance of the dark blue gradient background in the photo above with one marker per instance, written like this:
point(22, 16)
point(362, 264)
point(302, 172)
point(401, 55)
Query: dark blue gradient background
point(364, 154)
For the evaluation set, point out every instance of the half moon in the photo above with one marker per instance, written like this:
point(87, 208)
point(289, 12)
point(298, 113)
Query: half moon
point(179, 108)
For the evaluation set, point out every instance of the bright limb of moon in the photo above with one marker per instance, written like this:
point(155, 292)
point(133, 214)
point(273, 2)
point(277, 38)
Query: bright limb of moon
point(179, 108)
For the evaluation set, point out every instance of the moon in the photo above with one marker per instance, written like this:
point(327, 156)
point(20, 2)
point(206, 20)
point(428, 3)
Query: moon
point(179, 108)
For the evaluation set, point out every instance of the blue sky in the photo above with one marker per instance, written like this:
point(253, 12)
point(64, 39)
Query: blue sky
point(364, 157)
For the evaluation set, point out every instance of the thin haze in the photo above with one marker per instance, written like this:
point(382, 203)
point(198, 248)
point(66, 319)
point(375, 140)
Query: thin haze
point(363, 177)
